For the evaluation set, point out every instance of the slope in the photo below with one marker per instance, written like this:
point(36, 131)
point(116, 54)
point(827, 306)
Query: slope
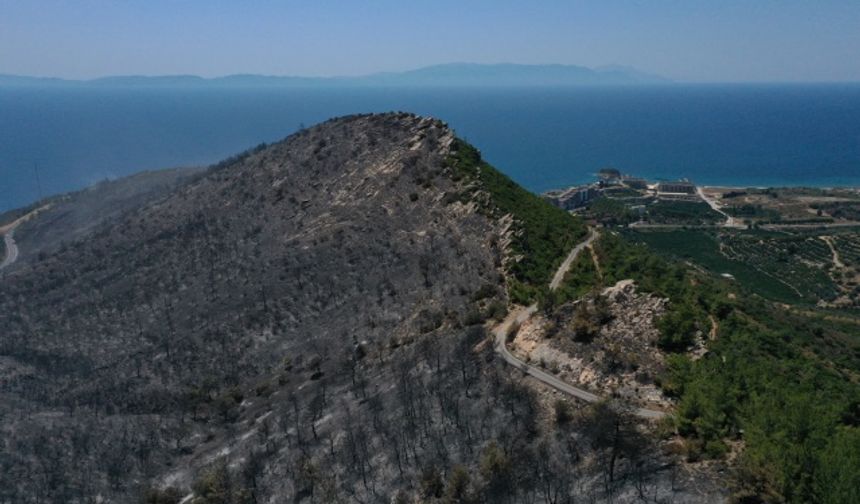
point(302, 322)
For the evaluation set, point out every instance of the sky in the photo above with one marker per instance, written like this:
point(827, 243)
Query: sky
point(685, 40)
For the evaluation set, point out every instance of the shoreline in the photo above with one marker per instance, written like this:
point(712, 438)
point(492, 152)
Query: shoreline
point(762, 188)
point(722, 187)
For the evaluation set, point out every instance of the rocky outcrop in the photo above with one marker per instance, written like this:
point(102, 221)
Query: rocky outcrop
point(606, 344)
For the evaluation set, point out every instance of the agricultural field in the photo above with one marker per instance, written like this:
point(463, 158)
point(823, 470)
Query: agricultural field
point(846, 257)
point(623, 192)
point(753, 213)
point(819, 267)
point(611, 212)
point(847, 246)
point(801, 261)
point(703, 248)
point(682, 213)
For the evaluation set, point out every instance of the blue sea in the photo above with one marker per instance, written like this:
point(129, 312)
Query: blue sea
point(761, 135)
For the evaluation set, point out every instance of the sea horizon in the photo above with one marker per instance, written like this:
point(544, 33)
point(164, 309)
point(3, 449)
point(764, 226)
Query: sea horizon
point(715, 134)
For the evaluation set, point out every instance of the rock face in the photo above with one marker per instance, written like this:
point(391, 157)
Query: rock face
point(300, 323)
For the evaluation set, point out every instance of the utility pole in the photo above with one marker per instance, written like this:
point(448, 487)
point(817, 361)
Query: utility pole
point(38, 180)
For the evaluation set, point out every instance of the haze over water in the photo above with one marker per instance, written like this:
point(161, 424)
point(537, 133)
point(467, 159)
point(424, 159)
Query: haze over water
point(762, 135)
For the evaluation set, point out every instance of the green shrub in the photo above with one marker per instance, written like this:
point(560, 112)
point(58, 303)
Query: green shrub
point(217, 486)
point(497, 310)
point(542, 233)
point(678, 328)
point(169, 495)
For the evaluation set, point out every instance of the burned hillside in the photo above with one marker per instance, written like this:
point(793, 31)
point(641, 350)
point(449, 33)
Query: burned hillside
point(304, 323)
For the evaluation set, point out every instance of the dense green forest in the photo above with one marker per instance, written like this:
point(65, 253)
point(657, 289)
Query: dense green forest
point(778, 386)
point(542, 233)
point(778, 389)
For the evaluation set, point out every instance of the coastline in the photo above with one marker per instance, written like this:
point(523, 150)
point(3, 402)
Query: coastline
point(723, 187)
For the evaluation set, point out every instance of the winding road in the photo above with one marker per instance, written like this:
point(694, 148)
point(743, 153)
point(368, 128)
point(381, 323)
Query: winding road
point(8, 232)
point(565, 265)
point(523, 313)
point(731, 222)
point(11, 249)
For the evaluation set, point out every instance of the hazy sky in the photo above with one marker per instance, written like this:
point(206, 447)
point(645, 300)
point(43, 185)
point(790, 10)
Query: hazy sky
point(696, 40)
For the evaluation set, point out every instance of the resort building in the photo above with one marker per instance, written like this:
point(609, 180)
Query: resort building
point(682, 186)
point(573, 197)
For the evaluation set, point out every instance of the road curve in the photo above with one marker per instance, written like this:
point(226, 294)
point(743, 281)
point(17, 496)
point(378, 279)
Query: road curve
point(731, 222)
point(565, 265)
point(11, 249)
point(521, 313)
point(8, 232)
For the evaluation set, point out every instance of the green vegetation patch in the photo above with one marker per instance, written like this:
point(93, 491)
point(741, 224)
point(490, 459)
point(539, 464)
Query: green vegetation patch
point(619, 259)
point(762, 382)
point(847, 245)
point(689, 307)
point(611, 212)
point(757, 212)
point(782, 382)
point(580, 279)
point(848, 210)
point(683, 212)
point(542, 234)
point(779, 266)
point(800, 260)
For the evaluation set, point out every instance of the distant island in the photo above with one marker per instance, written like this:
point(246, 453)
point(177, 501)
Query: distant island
point(449, 74)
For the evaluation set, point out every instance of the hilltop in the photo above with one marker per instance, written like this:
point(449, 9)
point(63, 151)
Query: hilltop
point(367, 310)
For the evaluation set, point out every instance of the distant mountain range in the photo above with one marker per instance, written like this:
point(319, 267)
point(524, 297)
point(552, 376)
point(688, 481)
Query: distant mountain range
point(452, 74)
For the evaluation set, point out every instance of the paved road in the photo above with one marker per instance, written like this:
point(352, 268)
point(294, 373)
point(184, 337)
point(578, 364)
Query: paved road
point(521, 314)
point(559, 274)
point(11, 249)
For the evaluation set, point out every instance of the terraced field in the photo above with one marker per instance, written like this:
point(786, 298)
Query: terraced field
point(682, 212)
point(847, 245)
point(789, 267)
point(847, 251)
point(802, 262)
